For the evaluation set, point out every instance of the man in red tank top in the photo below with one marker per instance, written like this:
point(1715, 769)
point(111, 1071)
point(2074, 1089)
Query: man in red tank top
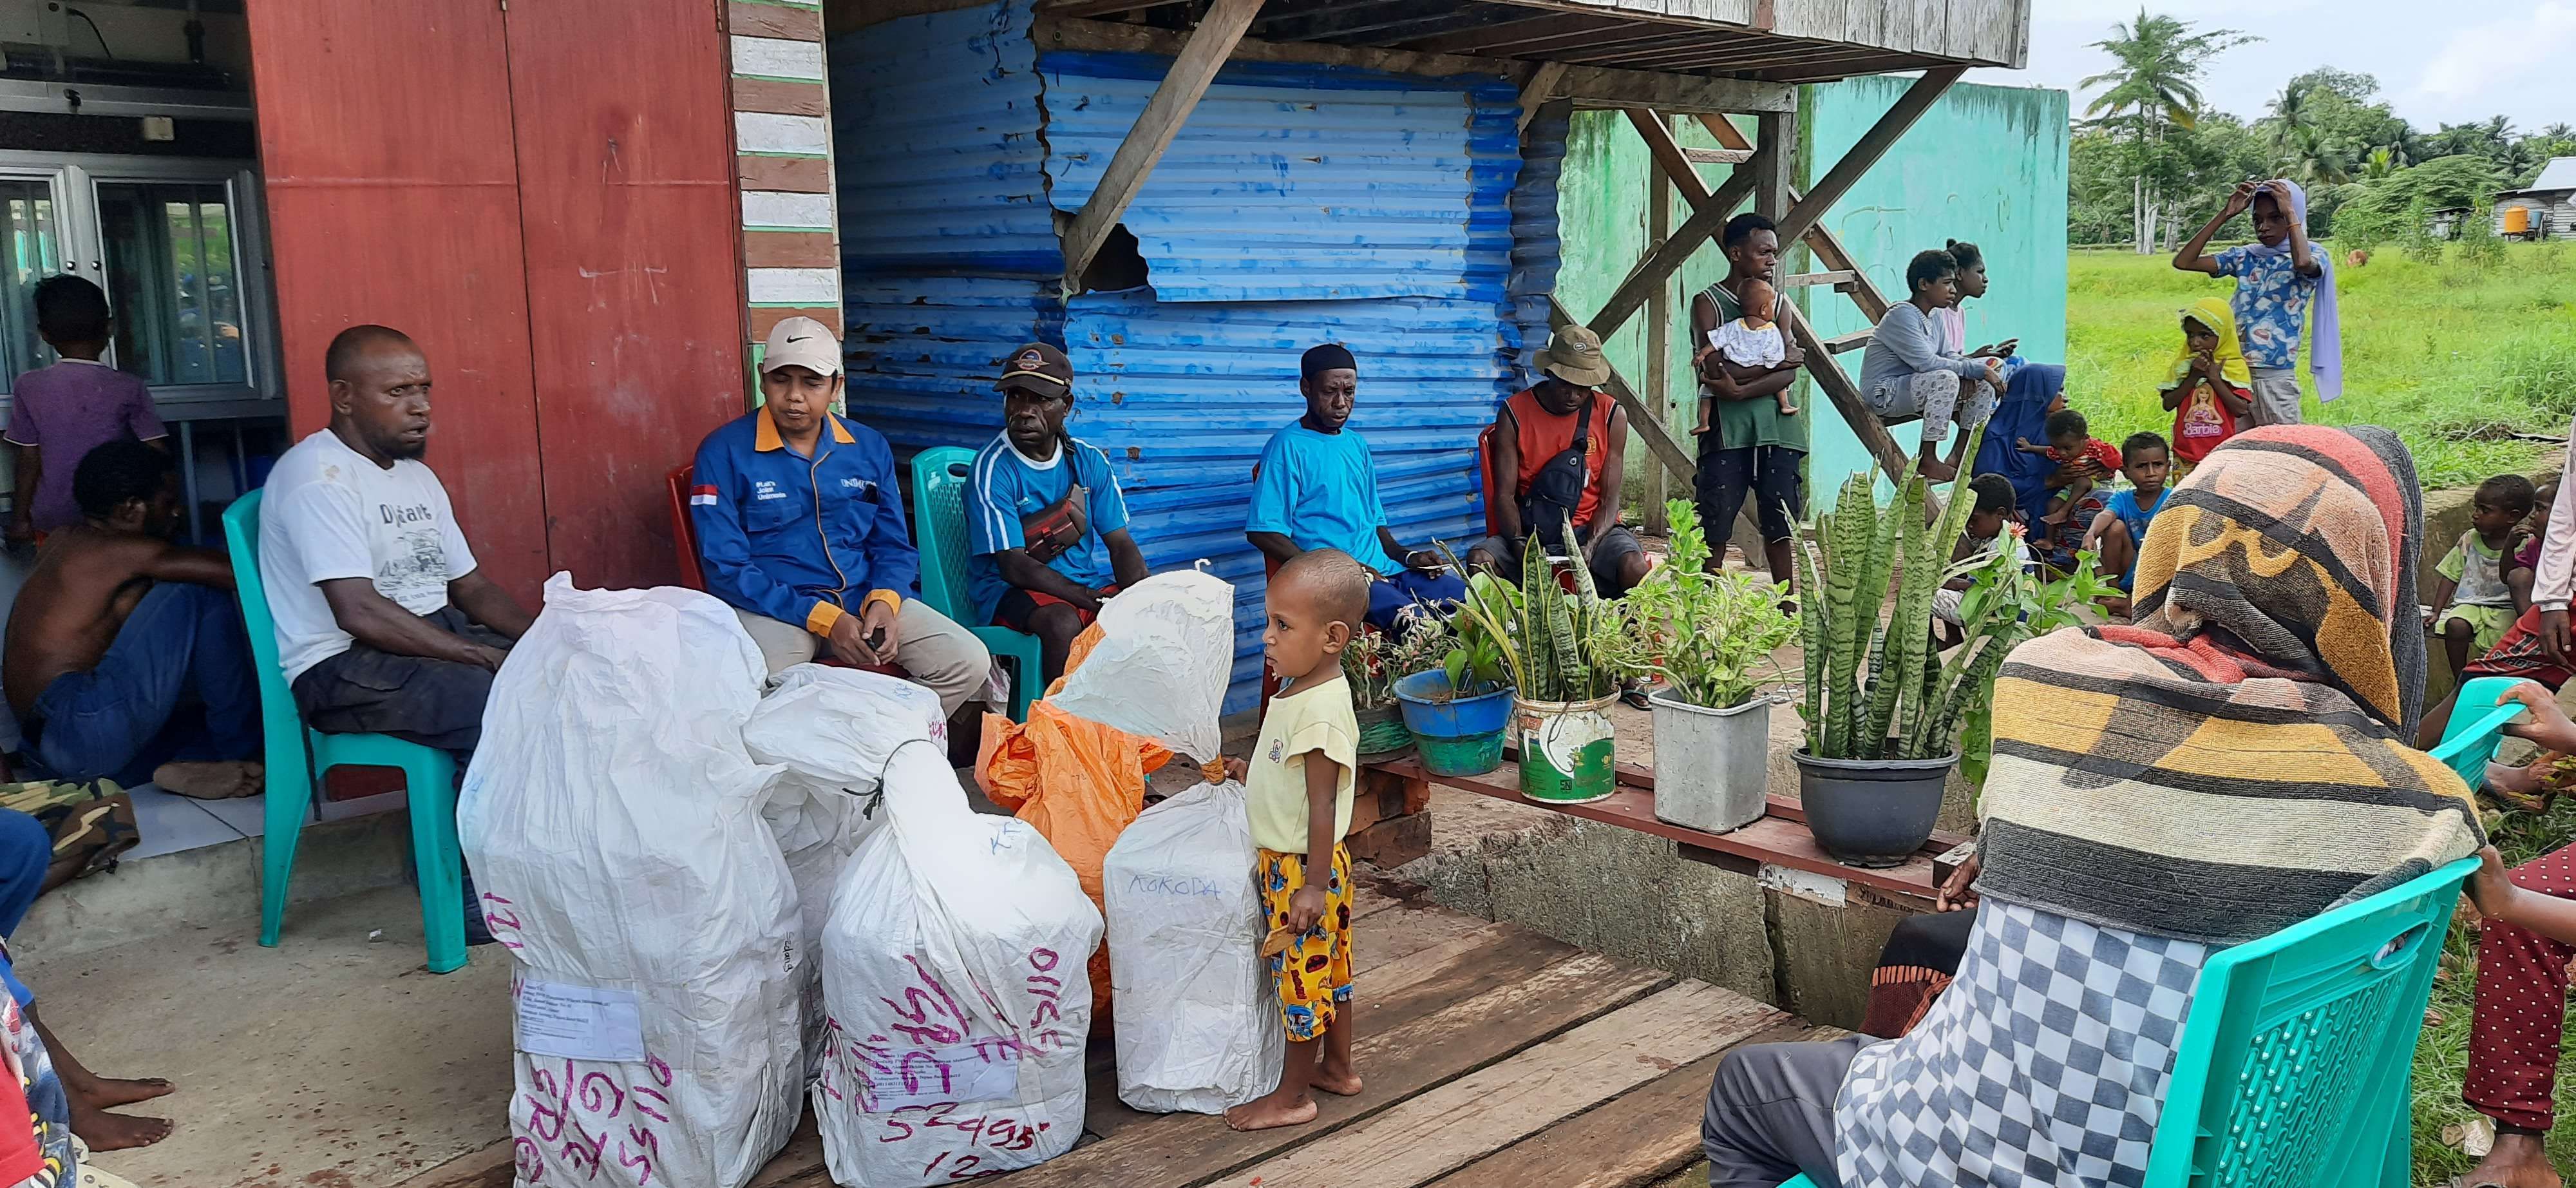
point(1537, 427)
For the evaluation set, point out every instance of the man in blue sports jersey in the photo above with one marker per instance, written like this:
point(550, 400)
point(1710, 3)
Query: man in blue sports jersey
point(801, 530)
point(1316, 488)
point(1046, 525)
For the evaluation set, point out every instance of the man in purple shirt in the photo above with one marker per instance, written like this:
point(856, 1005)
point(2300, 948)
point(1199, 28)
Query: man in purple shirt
point(59, 414)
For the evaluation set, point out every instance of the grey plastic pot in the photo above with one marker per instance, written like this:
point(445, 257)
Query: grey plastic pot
point(1871, 812)
point(1712, 766)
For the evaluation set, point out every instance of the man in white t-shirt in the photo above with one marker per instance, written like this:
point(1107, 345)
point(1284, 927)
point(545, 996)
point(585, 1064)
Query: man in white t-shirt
point(384, 623)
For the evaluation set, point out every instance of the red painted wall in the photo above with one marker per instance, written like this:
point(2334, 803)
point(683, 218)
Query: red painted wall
point(543, 198)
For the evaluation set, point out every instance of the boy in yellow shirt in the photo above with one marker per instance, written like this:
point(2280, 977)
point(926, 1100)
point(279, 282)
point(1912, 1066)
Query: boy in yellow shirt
point(1297, 787)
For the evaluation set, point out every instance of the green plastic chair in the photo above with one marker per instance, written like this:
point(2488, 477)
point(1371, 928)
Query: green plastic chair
point(939, 526)
point(2296, 1061)
point(429, 774)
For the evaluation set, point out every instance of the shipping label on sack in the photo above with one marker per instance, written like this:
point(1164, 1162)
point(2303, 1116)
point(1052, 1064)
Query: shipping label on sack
point(922, 1069)
point(576, 1021)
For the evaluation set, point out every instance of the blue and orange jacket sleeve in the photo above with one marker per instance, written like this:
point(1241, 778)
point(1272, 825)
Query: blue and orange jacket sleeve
point(716, 492)
point(894, 565)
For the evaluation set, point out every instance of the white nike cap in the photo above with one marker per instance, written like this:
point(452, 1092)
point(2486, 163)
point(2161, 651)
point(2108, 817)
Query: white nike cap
point(801, 342)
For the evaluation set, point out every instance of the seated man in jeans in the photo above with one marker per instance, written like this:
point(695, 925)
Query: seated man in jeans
point(800, 529)
point(1046, 525)
point(1316, 488)
point(1542, 478)
point(126, 656)
point(384, 623)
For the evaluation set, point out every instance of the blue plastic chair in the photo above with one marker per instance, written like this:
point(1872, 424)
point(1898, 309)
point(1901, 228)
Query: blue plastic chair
point(429, 775)
point(2296, 1061)
point(939, 528)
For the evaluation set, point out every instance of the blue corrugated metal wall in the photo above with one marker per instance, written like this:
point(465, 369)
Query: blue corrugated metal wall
point(1298, 205)
point(1537, 250)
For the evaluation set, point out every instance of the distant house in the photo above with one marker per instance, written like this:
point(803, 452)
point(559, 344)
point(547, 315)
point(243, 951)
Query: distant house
point(2546, 210)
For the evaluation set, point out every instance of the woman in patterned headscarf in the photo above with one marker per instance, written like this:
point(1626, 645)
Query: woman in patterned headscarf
point(2235, 762)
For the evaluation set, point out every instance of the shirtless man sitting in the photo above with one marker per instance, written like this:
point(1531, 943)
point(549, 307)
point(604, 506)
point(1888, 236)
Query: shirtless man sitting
point(126, 658)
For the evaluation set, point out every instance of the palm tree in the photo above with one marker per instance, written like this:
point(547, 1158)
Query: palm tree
point(2309, 155)
point(2153, 88)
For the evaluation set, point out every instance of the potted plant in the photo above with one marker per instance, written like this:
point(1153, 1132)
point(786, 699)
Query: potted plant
point(1709, 637)
point(1544, 633)
point(1457, 708)
point(1373, 663)
point(1877, 752)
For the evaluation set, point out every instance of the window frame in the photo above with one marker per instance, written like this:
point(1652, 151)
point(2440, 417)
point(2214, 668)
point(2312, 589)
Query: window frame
point(75, 178)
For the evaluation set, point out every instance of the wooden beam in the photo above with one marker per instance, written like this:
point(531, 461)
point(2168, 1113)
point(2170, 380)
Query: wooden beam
point(1705, 222)
point(1659, 328)
point(1821, 239)
point(1774, 166)
point(1588, 86)
point(1659, 440)
point(1849, 342)
point(1866, 151)
point(1838, 387)
point(1709, 156)
point(1836, 277)
point(1179, 92)
point(1541, 87)
point(1506, 34)
point(1671, 159)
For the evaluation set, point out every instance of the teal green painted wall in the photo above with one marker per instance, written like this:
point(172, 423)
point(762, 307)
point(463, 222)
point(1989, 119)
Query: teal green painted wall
point(1985, 164)
point(1601, 212)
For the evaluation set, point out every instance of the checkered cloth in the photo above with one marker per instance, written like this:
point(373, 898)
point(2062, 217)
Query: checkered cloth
point(2045, 1063)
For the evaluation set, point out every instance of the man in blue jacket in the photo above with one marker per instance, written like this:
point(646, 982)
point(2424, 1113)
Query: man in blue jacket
point(800, 529)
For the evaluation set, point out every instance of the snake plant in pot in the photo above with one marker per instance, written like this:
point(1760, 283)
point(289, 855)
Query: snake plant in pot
point(1882, 709)
point(1709, 637)
point(1545, 632)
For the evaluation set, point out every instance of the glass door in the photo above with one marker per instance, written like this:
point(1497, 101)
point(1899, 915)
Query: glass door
point(31, 249)
point(171, 277)
point(177, 246)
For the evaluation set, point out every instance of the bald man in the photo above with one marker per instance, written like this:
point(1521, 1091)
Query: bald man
point(385, 625)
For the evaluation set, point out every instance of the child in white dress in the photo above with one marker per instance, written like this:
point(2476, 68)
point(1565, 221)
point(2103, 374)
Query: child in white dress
point(1749, 341)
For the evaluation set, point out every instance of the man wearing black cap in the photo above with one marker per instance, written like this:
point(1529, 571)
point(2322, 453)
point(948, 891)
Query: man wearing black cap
point(1316, 488)
point(1046, 524)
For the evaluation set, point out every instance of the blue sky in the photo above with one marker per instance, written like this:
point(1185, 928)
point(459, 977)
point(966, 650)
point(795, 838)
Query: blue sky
point(2510, 58)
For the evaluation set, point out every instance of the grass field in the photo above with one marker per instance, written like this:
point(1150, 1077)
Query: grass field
point(2454, 358)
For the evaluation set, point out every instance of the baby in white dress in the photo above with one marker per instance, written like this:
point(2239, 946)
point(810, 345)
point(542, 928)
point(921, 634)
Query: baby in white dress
point(1749, 341)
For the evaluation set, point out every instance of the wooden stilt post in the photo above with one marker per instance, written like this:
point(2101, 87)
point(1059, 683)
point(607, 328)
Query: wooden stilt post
point(1161, 120)
point(1659, 326)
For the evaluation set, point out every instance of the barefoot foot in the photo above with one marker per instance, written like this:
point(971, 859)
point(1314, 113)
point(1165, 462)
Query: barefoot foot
point(1338, 1082)
point(104, 1131)
point(209, 781)
point(2516, 1161)
point(1270, 1113)
point(1788, 410)
point(1700, 428)
point(107, 1093)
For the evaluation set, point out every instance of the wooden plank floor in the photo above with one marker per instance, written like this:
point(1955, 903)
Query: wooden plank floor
point(1492, 1055)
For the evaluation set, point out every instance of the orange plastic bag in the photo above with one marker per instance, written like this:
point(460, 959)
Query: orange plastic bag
point(1079, 783)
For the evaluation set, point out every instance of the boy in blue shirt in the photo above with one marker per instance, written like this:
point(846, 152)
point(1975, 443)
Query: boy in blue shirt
point(1046, 525)
point(1316, 488)
point(801, 530)
point(2121, 528)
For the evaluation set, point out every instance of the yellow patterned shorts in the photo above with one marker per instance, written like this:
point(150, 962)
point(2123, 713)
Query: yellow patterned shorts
point(1313, 977)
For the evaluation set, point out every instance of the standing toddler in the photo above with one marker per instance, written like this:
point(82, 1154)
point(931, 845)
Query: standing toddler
point(1297, 788)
